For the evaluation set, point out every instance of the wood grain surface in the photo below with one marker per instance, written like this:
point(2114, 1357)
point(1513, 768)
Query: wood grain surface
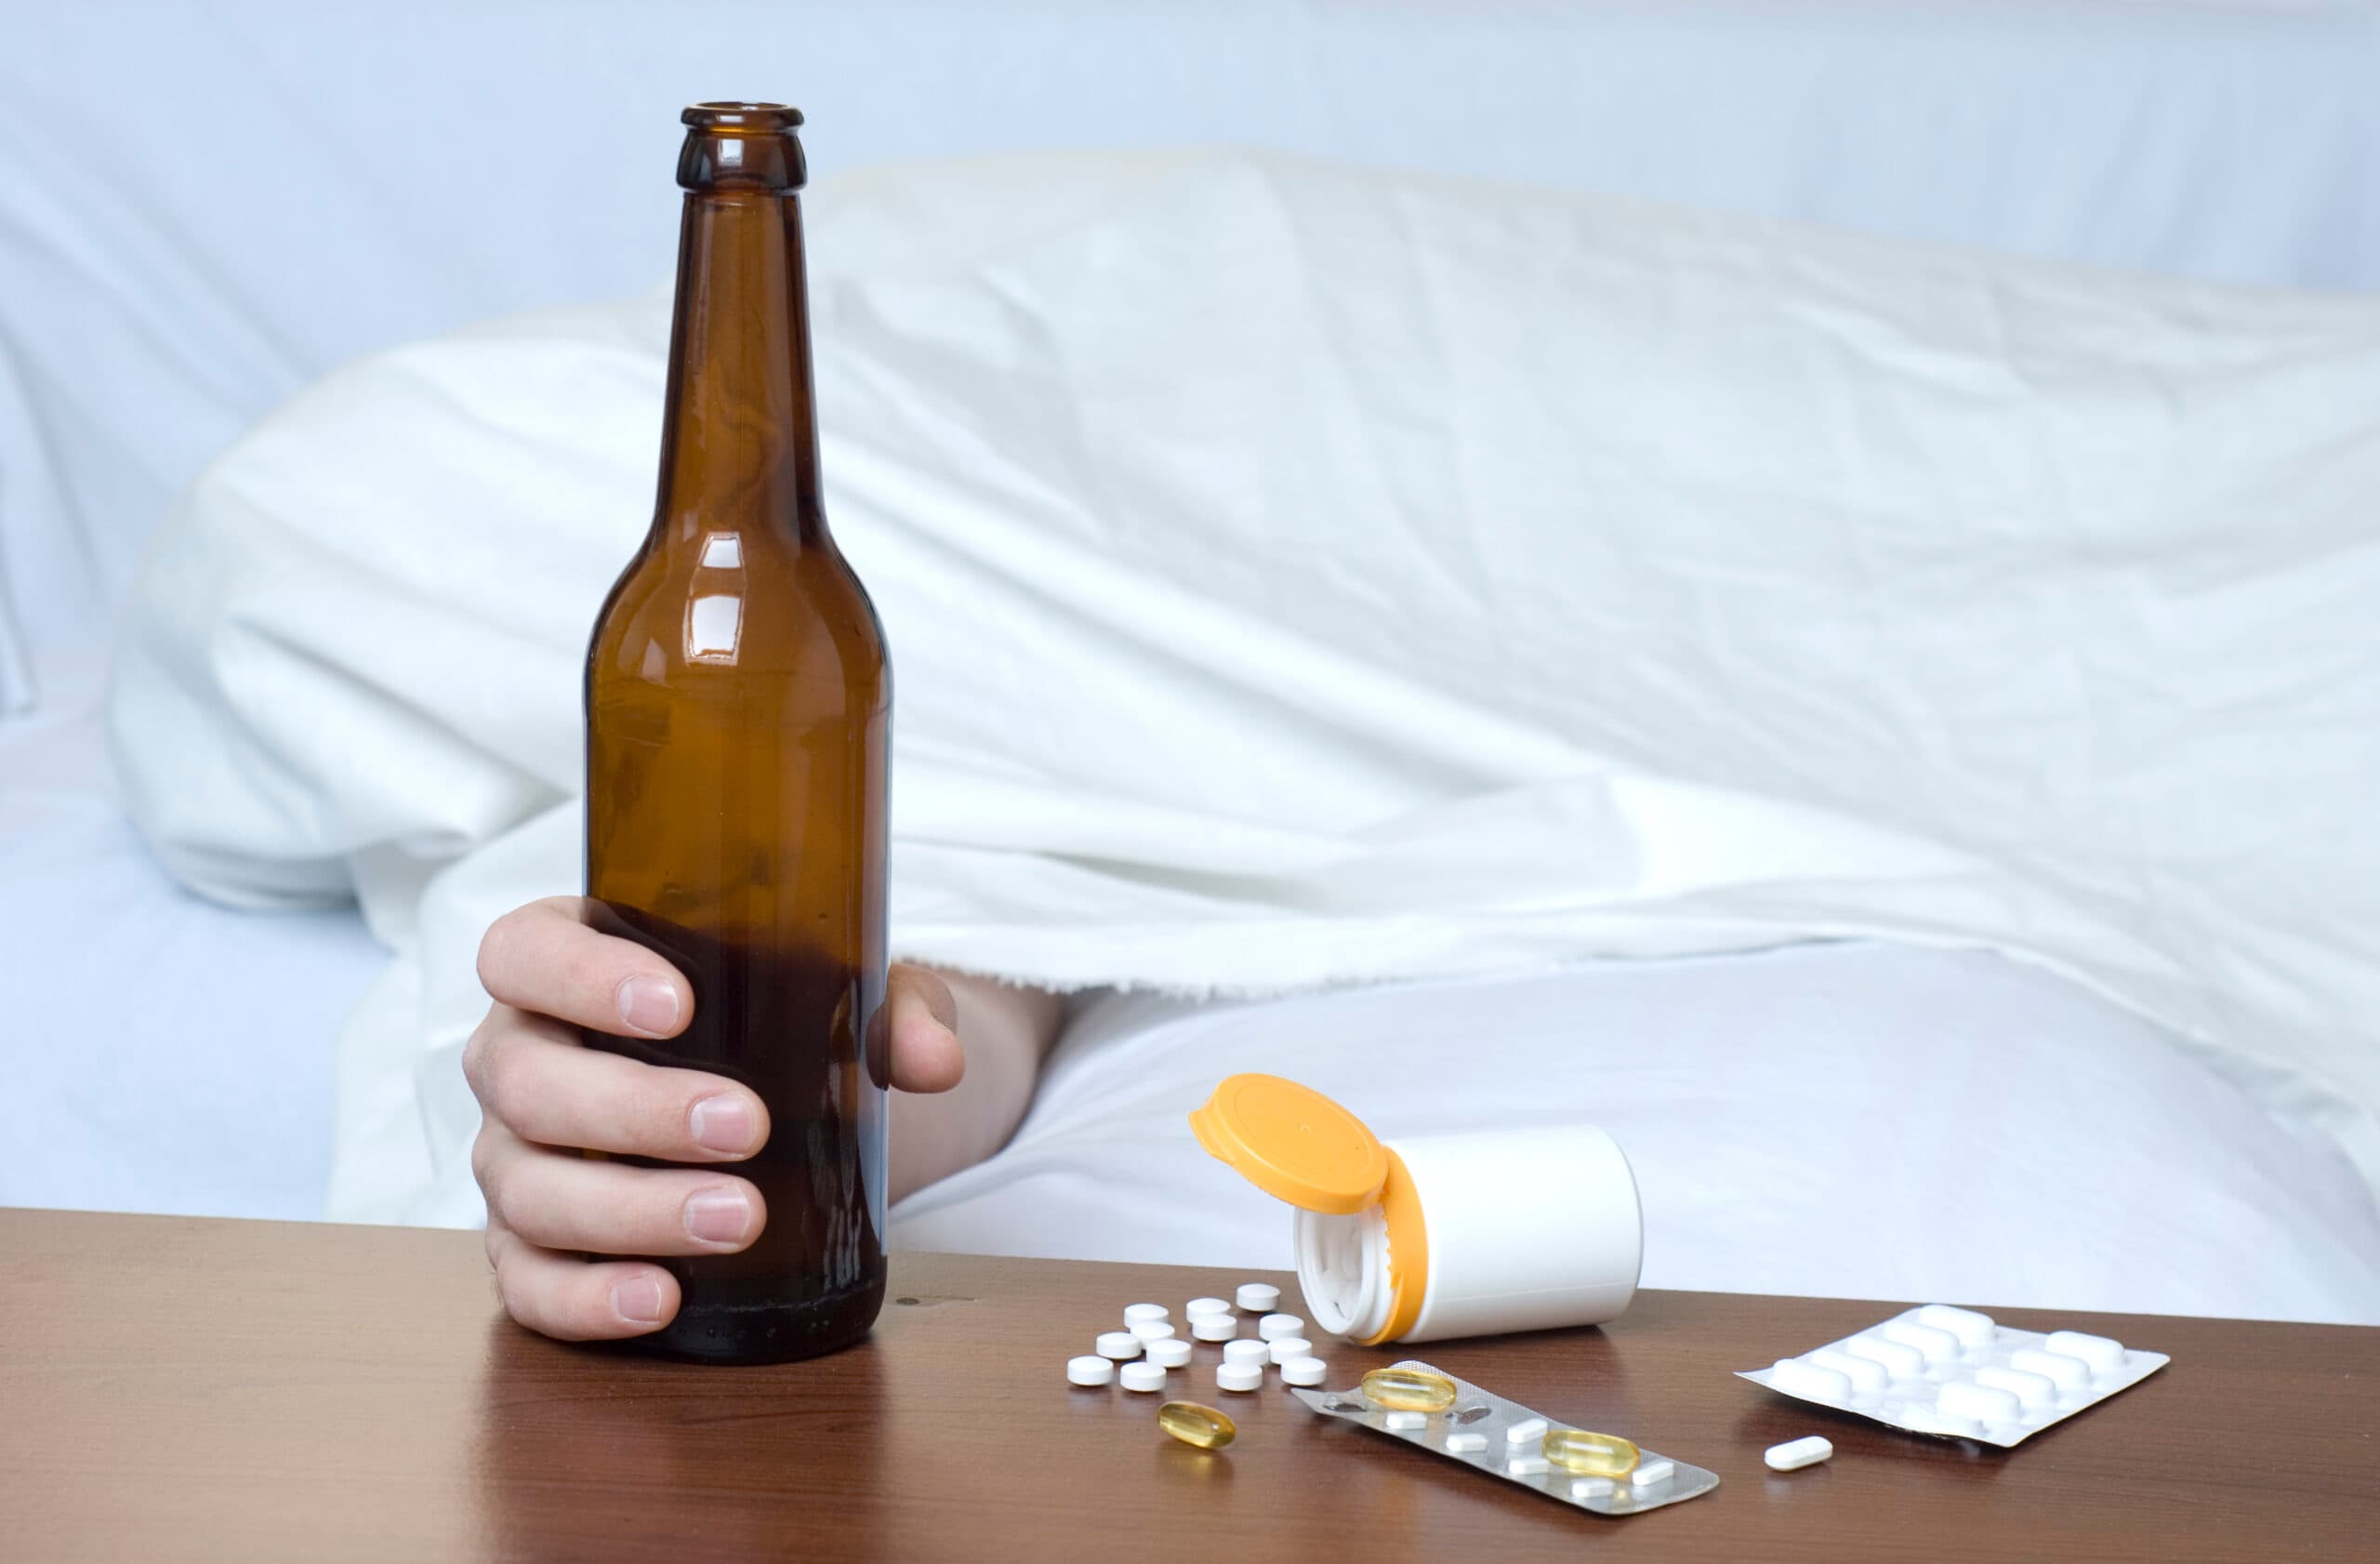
point(185, 1390)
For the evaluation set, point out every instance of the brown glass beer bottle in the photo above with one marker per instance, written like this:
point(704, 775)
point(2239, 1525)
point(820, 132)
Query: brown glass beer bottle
point(737, 706)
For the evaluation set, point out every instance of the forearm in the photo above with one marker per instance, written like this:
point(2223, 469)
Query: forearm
point(1006, 1032)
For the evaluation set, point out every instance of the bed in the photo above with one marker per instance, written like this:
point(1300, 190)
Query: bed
point(195, 314)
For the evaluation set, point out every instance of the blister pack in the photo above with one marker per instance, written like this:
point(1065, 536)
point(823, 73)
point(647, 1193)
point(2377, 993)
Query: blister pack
point(1961, 1374)
point(1425, 1406)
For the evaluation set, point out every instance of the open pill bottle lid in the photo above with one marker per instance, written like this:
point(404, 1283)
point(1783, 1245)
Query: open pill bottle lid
point(1363, 1253)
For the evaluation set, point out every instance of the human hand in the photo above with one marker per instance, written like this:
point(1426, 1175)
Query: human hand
point(543, 1097)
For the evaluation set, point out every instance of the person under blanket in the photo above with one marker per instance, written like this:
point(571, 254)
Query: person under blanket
point(545, 1098)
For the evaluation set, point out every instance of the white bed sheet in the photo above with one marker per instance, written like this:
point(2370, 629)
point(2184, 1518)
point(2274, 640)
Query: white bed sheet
point(160, 1052)
point(1852, 1121)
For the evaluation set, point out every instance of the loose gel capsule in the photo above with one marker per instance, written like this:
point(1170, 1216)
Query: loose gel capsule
point(1794, 1454)
point(1409, 1390)
point(1935, 1347)
point(1280, 1327)
point(1170, 1354)
point(1305, 1371)
point(1194, 1425)
point(2104, 1356)
point(1257, 1298)
point(2069, 1375)
point(1197, 1306)
point(1214, 1327)
point(1286, 1347)
point(1972, 1329)
point(1119, 1344)
point(1595, 1455)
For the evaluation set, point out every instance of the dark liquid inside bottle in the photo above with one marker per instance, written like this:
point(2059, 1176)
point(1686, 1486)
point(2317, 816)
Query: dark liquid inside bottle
point(738, 708)
point(805, 1032)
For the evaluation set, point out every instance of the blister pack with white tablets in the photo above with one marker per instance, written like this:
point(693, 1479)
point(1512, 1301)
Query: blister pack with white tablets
point(1452, 1417)
point(1961, 1374)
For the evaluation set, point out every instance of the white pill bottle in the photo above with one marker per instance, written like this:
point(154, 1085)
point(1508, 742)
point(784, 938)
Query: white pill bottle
point(1432, 1237)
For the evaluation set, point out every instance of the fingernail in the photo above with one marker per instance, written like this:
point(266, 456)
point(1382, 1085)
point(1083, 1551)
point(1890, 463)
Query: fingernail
point(722, 1123)
point(718, 1216)
point(647, 1005)
point(637, 1300)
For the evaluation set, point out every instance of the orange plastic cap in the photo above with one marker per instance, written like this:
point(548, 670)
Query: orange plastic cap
point(1293, 1143)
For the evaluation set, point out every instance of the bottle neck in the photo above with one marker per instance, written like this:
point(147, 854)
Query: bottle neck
point(739, 441)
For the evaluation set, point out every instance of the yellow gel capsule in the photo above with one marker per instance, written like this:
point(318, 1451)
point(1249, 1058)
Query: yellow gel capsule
point(1409, 1390)
point(1595, 1455)
point(1194, 1425)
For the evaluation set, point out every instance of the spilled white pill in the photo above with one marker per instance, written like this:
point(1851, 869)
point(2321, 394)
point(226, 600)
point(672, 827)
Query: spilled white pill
point(1152, 1330)
point(1794, 1454)
point(1286, 1347)
point(1141, 1376)
point(1657, 1470)
point(1239, 1376)
point(1528, 1431)
point(2032, 1390)
point(1089, 1370)
point(1796, 1378)
point(1171, 1352)
point(1196, 1306)
point(1935, 1347)
point(1214, 1327)
point(1304, 1371)
point(1247, 1351)
point(2104, 1355)
point(1257, 1296)
point(1135, 1313)
point(1117, 1344)
point(1279, 1327)
point(2069, 1375)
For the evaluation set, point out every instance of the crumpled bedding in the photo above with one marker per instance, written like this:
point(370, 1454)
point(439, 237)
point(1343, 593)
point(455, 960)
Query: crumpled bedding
point(1297, 575)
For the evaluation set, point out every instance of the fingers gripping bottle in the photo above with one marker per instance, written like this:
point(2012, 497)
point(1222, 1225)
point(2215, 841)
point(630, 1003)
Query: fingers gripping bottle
point(1432, 1237)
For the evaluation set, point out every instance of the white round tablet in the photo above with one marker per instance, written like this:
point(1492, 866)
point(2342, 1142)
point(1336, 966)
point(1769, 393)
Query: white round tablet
point(1171, 1352)
point(1089, 1370)
point(1273, 1327)
point(1257, 1296)
point(1246, 1351)
point(1287, 1348)
point(1141, 1376)
point(1239, 1376)
point(1135, 1313)
point(1206, 1305)
point(1214, 1327)
point(1304, 1371)
point(1117, 1344)
point(1152, 1330)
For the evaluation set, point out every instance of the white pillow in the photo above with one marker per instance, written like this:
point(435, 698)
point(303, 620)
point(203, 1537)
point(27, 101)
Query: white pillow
point(1297, 574)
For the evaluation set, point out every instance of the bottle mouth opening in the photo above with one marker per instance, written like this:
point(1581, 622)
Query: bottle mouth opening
point(748, 118)
point(1343, 1270)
